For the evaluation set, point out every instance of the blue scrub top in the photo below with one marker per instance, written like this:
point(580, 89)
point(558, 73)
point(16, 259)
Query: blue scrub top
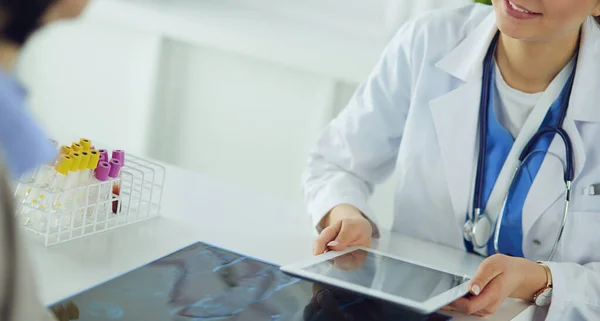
point(500, 142)
point(23, 143)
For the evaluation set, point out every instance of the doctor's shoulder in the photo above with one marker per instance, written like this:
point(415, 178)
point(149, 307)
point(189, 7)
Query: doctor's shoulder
point(429, 36)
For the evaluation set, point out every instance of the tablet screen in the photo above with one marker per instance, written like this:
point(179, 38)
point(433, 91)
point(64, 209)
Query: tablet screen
point(388, 275)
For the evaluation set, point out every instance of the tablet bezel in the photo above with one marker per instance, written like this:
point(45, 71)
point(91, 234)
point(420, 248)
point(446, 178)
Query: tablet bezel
point(431, 305)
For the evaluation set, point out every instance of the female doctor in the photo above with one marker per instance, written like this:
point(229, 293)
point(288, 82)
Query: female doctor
point(491, 118)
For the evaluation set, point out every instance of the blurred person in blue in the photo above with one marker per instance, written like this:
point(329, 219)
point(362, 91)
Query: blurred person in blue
point(22, 141)
point(490, 118)
point(23, 146)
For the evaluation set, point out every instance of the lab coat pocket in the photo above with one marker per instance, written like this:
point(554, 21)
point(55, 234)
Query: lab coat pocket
point(587, 199)
point(581, 238)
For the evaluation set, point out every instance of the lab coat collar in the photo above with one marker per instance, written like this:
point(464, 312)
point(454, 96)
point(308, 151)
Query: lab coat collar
point(585, 96)
point(465, 60)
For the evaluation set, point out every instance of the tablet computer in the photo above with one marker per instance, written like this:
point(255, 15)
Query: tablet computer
point(374, 274)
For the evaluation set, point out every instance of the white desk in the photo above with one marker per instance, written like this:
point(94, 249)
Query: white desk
point(199, 209)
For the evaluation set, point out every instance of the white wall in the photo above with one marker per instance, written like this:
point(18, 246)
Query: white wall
point(95, 79)
point(356, 16)
point(247, 121)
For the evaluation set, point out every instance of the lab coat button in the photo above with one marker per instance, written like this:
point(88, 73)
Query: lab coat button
point(537, 242)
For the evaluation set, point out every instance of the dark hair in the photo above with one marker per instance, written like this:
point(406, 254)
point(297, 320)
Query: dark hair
point(22, 18)
point(597, 19)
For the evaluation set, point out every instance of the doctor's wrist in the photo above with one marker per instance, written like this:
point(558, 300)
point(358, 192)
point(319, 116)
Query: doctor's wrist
point(534, 279)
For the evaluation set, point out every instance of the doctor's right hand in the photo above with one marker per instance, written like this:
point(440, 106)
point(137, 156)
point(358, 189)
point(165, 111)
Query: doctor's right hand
point(344, 226)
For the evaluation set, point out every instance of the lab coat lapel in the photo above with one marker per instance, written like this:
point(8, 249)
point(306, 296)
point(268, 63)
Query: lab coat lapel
point(548, 186)
point(455, 114)
point(455, 120)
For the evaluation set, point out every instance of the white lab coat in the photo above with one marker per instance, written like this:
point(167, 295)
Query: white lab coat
point(418, 113)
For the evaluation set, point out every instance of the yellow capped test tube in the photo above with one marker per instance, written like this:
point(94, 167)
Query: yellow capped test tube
point(46, 201)
point(85, 159)
point(75, 167)
point(85, 143)
point(65, 150)
point(83, 167)
point(64, 164)
point(59, 177)
point(66, 196)
point(62, 168)
point(76, 157)
point(94, 159)
point(76, 147)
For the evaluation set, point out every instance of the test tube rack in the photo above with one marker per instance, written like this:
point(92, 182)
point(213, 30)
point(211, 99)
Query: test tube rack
point(132, 197)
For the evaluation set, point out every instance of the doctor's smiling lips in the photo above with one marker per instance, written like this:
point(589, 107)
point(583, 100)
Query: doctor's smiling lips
point(513, 9)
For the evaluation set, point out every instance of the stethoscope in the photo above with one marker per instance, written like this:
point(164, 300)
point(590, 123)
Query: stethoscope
point(478, 228)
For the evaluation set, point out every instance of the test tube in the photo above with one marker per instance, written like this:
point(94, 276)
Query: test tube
point(42, 179)
point(101, 195)
point(105, 153)
point(55, 145)
point(65, 150)
point(67, 199)
point(45, 202)
point(74, 173)
point(85, 143)
point(120, 155)
point(92, 164)
point(61, 170)
point(76, 147)
point(115, 168)
point(83, 168)
point(82, 181)
point(25, 185)
point(115, 171)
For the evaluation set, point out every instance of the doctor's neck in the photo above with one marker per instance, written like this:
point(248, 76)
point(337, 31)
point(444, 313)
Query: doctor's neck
point(531, 66)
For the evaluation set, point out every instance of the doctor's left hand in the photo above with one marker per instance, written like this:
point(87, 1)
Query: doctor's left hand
point(500, 277)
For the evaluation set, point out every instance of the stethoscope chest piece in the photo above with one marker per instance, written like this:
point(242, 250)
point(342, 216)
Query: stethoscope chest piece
point(468, 231)
point(479, 232)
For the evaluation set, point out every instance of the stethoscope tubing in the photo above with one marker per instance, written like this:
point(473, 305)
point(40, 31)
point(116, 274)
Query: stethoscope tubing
point(478, 212)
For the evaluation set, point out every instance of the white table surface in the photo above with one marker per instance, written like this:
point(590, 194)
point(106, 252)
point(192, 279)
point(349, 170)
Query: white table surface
point(196, 208)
